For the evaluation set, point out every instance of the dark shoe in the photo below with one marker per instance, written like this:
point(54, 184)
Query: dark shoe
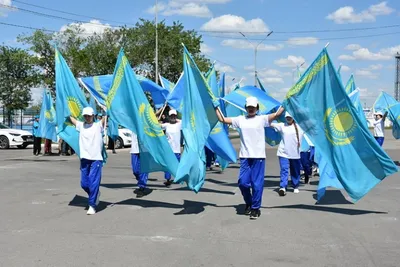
point(114, 152)
point(307, 179)
point(254, 214)
point(247, 210)
point(282, 192)
point(168, 183)
point(141, 192)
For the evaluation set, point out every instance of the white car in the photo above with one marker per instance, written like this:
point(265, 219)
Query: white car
point(13, 137)
point(124, 138)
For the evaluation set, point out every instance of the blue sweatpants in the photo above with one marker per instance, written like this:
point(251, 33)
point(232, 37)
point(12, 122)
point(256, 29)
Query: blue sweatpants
point(251, 175)
point(167, 175)
point(380, 140)
point(306, 163)
point(140, 177)
point(209, 156)
point(91, 178)
point(294, 166)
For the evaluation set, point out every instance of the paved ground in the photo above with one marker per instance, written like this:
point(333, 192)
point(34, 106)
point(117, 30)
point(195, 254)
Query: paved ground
point(43, 220)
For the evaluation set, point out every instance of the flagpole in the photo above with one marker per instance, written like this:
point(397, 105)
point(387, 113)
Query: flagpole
point(156, 42)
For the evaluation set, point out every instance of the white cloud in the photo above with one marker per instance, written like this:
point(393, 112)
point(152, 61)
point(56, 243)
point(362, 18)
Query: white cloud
point(189, 9)
point(365, 54)
point(352, 47)
point(251, 67)
point(375, 67)
point(345, 68)
point(235, 23)
point(243, 44)
point(289, 62)
point(201, 1)
point(224, 68)
point(205, 49)
point(94, 26)
point(4, 11)
point(161, 6)
point(347, 14)
point(366, 73)
point(302, 41)
point(272, 80)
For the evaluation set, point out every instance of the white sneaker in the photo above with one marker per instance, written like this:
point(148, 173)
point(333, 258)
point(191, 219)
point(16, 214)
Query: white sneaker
point(296, 191)
point(282, 192)
point(98, 199)
point(91, 211)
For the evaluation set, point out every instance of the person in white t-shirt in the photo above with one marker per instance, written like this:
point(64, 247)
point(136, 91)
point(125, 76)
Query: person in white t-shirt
point(135, 163)
point(252, 153)
point(90, 148)
point(173, 133)
point(379, 127)
point(289, 153)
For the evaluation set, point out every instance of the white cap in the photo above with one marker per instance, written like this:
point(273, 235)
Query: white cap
point(287, 114)
point(379, 113)
point(88, 111)
point(172, 112)
point(251, 101)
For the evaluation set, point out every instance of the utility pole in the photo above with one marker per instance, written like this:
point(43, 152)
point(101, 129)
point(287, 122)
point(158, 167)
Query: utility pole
point(255, 53)
point(156, 42)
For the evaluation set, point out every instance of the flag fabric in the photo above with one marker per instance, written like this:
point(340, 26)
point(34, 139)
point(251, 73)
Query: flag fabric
point(355, 99)
point(47, 122)
point(128, 106)
point(166, 84)
point(158, 93)
point(332, 124)
point(394, 116)
point(221, 86)
point(338, 73)
point(261, 86)
point(69, 102)
point(267, 104)
point(383, 101)
point(92, 103)
point(211, 78)
point(198, 118)
point(175, 97)
point(112, 130)
point(350, 85)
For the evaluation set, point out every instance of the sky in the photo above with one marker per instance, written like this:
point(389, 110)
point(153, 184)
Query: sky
point(362, 35)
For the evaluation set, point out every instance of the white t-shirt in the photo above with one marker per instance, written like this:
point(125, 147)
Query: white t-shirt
point(289, 146)
point(90, 140)
point(173, 133)
point(135, 144)
point(379, 126)
point(252, 137)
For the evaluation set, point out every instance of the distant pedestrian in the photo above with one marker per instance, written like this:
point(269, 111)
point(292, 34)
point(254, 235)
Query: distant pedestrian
point(379, 127)
point(37, 140)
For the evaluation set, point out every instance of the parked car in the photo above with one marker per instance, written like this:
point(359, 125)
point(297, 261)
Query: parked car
point(124, 138)
point(13, 137)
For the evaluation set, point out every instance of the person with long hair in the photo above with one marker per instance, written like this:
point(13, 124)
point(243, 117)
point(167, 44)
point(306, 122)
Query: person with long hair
point(90, 148)
point(252, 153)
point(289, 153)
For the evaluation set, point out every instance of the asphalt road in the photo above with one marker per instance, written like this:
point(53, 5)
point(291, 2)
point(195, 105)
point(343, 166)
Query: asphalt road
point(43, 221)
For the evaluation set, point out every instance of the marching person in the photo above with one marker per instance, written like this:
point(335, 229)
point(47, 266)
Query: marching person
point(37, 140)
point(91, 147)
point(252, 153)
point(379, 127)
point(173, 133)
point(289, 153)
point(307, 157)
point(135, 163)
point(47, 147)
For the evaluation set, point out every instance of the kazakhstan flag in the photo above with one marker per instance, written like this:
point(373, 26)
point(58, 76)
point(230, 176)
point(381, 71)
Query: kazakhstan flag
point(129, 107)
point(166, 84)
point(394, 116)
point(320, 105)
point(355, 99)
point(198, 118)
point(383, 102)
point(69, 102)
point(175, 97)
point(47, 123)
point(351, 85)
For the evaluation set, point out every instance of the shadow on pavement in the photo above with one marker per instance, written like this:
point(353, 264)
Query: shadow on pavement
point(328, 209)
point(80, 201)
point(332, 197)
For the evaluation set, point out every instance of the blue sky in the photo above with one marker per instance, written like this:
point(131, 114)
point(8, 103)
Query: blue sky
point(370, 59)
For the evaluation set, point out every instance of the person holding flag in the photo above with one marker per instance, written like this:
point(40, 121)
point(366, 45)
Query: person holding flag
point(135, 163)
point(252, 152)
point(37, 140)
point(289, 153)
point(90, 151)
point(379, 127)
point(173, 132)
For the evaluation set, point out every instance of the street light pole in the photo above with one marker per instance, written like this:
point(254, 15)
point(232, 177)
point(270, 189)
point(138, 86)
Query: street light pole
point(255, 53)
point(156, 59)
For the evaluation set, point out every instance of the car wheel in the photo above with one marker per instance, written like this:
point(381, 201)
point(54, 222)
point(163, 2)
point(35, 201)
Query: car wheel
point(22, 146)
point(4, 143)
point(119, 143)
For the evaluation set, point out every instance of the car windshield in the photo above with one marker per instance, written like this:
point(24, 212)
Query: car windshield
point(2, 126)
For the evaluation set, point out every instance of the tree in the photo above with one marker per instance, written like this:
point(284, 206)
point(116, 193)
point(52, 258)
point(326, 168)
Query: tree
point(17, 76)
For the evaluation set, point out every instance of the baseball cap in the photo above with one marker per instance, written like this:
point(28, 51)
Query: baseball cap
point(287, 114)
point(251, 101)
point(172, 112)
point(87, 111)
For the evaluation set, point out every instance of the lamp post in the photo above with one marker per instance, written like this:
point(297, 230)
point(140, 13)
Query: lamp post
point(298, 69)
point(156, 59)
point(255, 53)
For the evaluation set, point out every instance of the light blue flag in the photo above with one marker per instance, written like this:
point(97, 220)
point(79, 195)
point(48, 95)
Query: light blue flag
point(267, 105)
point(394, 116)
point(327, 176)
point(98, 86)
point(338, 72)
point(332, 124)
point(112, 130)
point(47, 122)
point(355, 99)
point(261, 86)
point(92, 103)
point(198, 118)
point(211, 78)
point(350, 85)
point(383, 101)
point(69, 102)
point(175, 98)
point(129, 107)
point(221, 86)
point(166, 84)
